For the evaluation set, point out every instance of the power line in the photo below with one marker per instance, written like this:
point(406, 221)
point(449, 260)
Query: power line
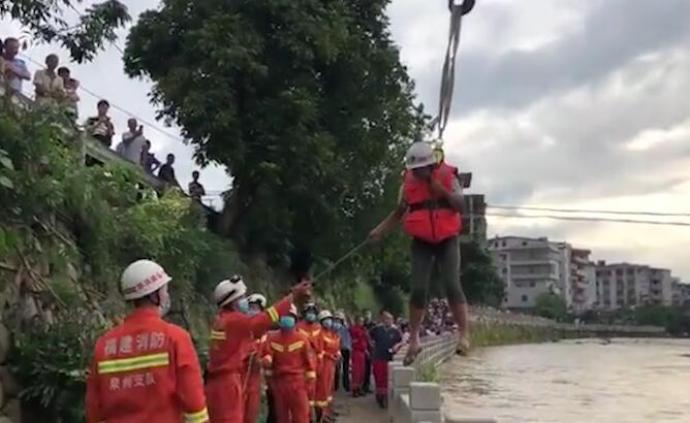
point(570, 210)
point(588, 219)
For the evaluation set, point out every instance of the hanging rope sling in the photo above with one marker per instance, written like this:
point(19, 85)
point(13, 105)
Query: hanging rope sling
point(457, 11)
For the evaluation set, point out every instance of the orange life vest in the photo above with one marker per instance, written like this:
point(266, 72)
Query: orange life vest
point(430, 218)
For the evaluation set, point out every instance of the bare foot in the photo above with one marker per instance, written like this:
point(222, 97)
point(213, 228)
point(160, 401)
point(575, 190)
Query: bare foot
point(412, 352)
point(463, 347)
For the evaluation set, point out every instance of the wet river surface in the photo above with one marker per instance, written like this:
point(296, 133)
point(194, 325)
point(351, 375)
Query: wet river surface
point(625, 381)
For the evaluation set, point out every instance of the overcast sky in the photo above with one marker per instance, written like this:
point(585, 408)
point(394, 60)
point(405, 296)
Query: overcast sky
point(558, 103)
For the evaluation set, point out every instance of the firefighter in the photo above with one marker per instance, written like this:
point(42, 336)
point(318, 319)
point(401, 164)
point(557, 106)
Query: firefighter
point(145, 369)
point(311, 328)
point(326, 375)
point(232, 336)
point(252, 378)
point(289, 360)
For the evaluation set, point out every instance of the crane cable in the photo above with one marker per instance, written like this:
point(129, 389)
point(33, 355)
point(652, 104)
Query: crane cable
point(457, 11)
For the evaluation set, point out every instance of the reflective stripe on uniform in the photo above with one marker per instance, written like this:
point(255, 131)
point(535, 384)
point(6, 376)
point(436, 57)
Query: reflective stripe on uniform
point(198, 417)
point(276, 346)
point(218, 335)
point(273, 314)
point(311, 375)
point(321, 404)
point(295, 346)
point(134, 363)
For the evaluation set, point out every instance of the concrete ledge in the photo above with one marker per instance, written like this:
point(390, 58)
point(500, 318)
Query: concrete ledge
point(425, 396)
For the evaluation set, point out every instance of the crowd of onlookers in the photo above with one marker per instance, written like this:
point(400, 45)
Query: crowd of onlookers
point(54, 86)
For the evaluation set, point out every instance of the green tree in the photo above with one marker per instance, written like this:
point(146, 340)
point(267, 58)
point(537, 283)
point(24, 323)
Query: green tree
point(45, 21)
point(480, 278)
point(551, 306)
point(305, 102)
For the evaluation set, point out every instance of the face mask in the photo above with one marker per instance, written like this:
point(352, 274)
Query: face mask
point(243, 306)
point(253, 312)
point(327, 323)
point(287, 322)
point(337, 325)
point(164, 302)
point(310, 317)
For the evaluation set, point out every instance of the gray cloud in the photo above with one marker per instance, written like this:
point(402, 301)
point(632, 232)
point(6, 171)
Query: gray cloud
point(614, 32)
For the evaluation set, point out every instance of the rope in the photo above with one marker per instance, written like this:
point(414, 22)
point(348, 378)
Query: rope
point(338, 262)
point(448, 73)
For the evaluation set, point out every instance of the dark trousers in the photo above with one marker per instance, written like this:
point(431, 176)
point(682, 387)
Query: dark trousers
point(271, 416)
point(367, 374)
point(343, 371)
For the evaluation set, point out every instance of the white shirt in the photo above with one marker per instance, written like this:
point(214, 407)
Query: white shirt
point(52, 87)
point(131, 146)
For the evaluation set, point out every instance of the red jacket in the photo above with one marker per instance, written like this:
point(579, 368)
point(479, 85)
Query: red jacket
point(331, 345)
point(429, 218)
point(360, 339)
point(233, 334)
point(145, 371)
point(313, 333)
point(289, 354)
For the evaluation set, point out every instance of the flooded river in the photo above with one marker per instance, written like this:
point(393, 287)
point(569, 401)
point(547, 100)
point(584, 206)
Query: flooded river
point(626, 381)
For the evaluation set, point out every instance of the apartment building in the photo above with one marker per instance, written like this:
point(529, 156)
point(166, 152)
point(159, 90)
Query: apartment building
point(622, 285)
point(474, 219)
point(680, 295)
point(583, 280)
point(529, 267)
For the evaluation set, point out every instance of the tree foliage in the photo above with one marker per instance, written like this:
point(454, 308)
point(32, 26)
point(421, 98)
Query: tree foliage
point(480, 279)
point(305, 101)
point(551, 306)
point(45, 21)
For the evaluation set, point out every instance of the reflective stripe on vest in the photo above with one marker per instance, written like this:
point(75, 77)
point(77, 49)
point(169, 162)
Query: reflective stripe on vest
point(198, 417)
point(273, 314)
point(122, 365)
point(295, 346)
point(218, 335)
point(276, 346)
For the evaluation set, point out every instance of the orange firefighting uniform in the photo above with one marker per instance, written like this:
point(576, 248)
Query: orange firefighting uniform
point(232, 336)
point(325, 381)
point(145, 370)
point(252, 382)
point(291, 364)
point(313, 333)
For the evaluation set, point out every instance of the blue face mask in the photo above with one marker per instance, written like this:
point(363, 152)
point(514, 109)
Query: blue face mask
point(243, 306)
point(287, 322)
point(337, 325)
point(253, 312)
point(310, 317)
point(327, 323)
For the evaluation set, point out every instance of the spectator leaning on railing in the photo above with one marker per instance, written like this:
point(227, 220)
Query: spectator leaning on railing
point(167, 172)
point(148, 159)
point(71, 98)
point(49, 86)
point(15, 70)
point(133, 142)
point(196, 190)
point(100, 127)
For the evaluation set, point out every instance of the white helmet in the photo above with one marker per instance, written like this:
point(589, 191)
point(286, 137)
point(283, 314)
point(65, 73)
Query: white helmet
point(340, 315)
point(141, 278)
point(229, 290)
point(420, 154)
point(325, 314)
point(257, 299)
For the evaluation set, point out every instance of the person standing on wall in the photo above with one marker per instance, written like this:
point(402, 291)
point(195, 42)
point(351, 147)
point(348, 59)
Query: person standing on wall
point(430, 208)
